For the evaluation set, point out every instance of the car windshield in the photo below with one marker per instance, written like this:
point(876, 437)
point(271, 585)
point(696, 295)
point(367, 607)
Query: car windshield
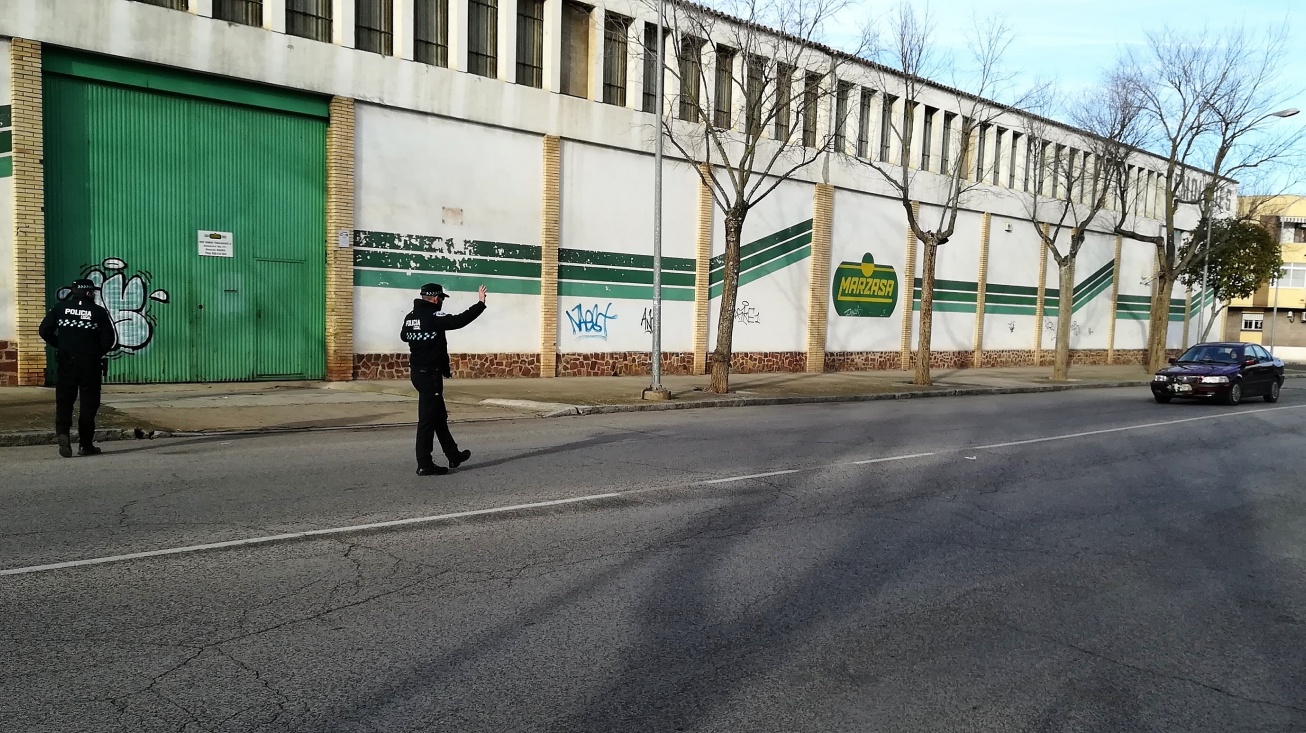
point(1212, 354)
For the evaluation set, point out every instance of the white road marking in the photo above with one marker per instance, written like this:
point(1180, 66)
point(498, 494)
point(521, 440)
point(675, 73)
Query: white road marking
point(308, 534)
point(751, 476)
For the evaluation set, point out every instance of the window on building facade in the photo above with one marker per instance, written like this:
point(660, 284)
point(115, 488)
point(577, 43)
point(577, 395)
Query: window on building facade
point(784, 100)
point(650, 91)
point(483, 37)
point(1071, 172)
point(927, 137)
point(966, 155)
point(1294, 276)
point(981, 152)
point(1057, 152)
point(886, 126)
point(1299, 234)
point(864, 129)
point(431, 32)
point(997, 157)
point(843, 92)
point(309, 19)
point(172, 4)
point(811, 102)
point(576, 49)
point(1253, 321)
point(530, 43)
point(691, 75)
point(723, 99)
point(374, 23)
point(945, 148)
point(244, 12)
point(1016, 142)
point(616, 29)
point(754, 93)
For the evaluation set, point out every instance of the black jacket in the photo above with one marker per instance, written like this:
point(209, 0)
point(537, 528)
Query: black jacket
point(78, 328)
point(424, 329)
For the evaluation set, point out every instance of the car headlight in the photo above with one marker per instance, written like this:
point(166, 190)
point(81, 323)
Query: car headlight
point(1215, 380)
point(1160, 378)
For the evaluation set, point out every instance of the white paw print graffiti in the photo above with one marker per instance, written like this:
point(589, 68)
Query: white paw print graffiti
point(126, 300)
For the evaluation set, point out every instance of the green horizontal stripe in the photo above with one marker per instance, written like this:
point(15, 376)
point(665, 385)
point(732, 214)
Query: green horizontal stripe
point(619, 259)
point(615, 275)
point(766, 242)
point(414, 281)
point(1021, 300)
point(622, 292)
point(1134, 299)
point(951, 296)
point(6, 115)
point(436, 263)
point(761, 258)
point(445, 246)
point(178, 81)
point(765, 269)
point(6, 141)
point(1010, 289)
point(941, 284)
point(6, 166)
point(1133, 308)
point(946, 307)
point(1010, 310)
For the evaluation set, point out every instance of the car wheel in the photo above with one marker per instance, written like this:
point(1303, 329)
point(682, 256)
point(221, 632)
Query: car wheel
point(1234, 395)
point(1162, 398)
point(1273, 394)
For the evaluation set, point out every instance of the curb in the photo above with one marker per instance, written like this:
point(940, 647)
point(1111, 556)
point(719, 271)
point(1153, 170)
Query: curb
point(47, 437)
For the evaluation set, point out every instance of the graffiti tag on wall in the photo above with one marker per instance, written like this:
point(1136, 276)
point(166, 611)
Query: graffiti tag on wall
point(747, 314)
point(126, 301)
point(591, 322)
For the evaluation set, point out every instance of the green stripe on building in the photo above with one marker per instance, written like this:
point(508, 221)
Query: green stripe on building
point(623, 292)
point(762, 257)
point(444, 246)
point(414, 281)
point(621, 259)
point(412, 261)
point(764, 269)
point(615, 275)
point(6, 116)
point(769, 240)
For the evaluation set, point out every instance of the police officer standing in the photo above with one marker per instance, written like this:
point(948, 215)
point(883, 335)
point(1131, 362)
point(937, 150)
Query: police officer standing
point(81, 333)
point(423, 331)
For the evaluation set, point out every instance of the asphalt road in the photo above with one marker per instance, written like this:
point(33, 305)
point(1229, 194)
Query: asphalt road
point(1084, 561)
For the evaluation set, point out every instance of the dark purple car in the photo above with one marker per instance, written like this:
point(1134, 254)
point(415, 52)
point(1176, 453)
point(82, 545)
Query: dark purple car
point(1227, 372)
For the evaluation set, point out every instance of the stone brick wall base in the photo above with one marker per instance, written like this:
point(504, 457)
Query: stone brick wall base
point(8, 364)
point(766, 362)
point(463, 366)
point(862, 361)
point(622, 364)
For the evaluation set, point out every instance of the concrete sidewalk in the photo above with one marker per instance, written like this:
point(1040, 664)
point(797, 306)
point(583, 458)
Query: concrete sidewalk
point(27, 413)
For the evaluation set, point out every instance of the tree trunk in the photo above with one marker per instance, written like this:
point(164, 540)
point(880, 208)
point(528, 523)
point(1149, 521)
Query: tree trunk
point(1158, 322)
point(725, 329)
point(1065, 316)
point(1206, 329)
point(922, 375)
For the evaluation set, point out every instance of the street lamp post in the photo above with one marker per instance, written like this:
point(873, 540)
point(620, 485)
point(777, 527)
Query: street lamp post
point(1206, 251)
point(656, 391)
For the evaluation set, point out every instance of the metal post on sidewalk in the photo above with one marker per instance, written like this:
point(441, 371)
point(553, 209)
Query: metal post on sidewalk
point(656, 391)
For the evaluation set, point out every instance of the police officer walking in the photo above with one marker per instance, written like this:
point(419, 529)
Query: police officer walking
point(81, 333)
point(423, 331)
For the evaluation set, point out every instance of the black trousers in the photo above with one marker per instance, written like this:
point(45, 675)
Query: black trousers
point(432, 415)
point(77, 378)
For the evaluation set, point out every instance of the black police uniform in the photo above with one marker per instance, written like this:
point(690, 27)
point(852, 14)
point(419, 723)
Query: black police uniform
point(423, 331)
point(81, 333)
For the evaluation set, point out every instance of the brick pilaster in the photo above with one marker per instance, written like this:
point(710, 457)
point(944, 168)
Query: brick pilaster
point(818, 307)
point(340, 235)
point(1042, 294)
point(1115, 296)
point(986, 226)
point(549, 232)
point(29, 207)
point(908, 289)
point(702, 271)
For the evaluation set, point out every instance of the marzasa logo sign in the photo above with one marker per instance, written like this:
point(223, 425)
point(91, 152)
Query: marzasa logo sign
point(865, 289)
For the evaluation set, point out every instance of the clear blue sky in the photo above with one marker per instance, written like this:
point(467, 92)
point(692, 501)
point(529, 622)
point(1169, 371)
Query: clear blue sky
point(1071, 41)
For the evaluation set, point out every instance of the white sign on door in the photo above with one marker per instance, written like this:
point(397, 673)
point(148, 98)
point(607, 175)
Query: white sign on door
point(216, 244)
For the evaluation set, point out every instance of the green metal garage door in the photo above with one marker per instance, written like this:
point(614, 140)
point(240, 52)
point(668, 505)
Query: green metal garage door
point(200, 204)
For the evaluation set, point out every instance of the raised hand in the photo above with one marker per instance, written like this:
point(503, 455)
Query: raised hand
point(480, 293)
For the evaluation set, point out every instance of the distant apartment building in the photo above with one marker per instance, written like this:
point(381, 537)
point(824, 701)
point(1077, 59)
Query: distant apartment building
point(1275, 316)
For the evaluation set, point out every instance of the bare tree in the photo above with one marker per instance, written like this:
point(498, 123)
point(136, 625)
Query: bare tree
point(911, 58)
point(1206, 103)
point(1074, 186)
point(767, 56)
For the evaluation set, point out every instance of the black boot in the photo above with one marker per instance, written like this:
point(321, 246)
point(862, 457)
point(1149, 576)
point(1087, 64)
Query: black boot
point(431, 470)
point(65, 446)
point(460, 459)
point(89, 450)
